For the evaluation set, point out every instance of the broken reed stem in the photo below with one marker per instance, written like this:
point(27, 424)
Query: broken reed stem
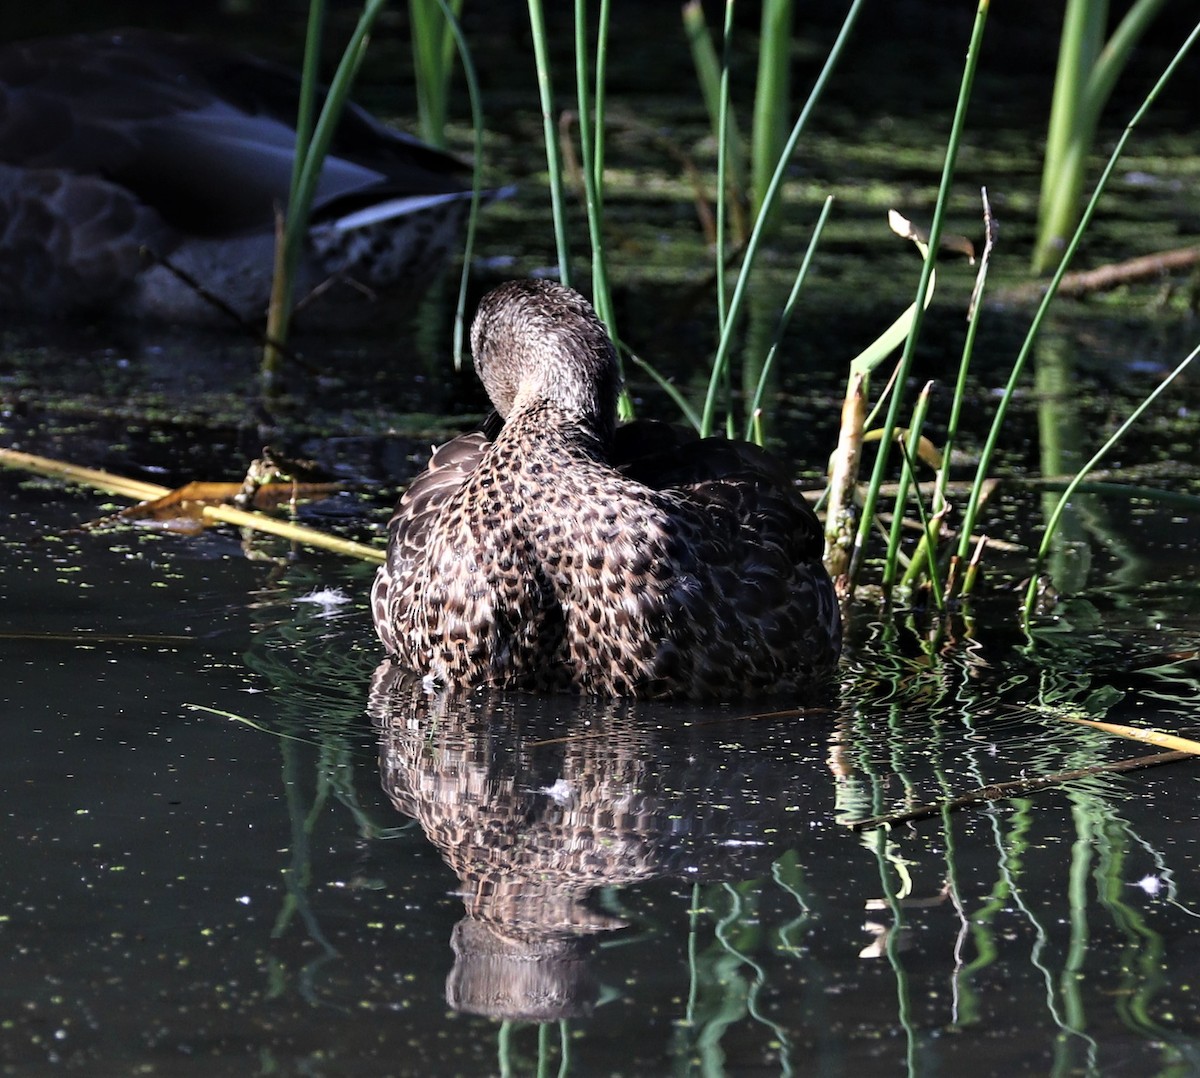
point(225, 514)
point(840, 516)
point(297, 533)
point(88, 477)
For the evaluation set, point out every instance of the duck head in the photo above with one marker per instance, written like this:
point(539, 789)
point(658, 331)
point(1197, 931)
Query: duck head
point(537, 342)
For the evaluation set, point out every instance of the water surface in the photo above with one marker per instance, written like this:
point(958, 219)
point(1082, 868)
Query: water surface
point(233, 844)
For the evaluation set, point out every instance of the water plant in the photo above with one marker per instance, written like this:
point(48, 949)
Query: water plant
point(433, 47)
point(1088, 69)
point(313, 136)
point(747, 187)
point(436, 30)
point(940, 568)
point(971, 509)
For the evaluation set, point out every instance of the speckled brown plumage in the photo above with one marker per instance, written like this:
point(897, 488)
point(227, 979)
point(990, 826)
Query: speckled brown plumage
point(563, 554)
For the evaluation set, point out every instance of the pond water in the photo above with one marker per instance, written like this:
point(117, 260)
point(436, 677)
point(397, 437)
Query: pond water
point(233, 844)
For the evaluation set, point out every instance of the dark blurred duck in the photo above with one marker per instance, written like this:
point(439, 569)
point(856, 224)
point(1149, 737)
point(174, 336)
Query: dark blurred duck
point(121, 150)
point(567, 553)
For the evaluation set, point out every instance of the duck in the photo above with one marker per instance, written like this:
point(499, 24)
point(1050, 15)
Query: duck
point(141, 174)
point(557, 551)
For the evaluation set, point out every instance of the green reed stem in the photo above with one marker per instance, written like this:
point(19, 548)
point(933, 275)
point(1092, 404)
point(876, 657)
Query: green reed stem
point(667, 386)
point(283, 277)
point(600, 99)
point(770, 95)
point(1068, 135)
point(475, 98)
point(784, 320)
point(727, 200)
point(306, 171)
point(926, 552)
point(564, 1048)
point(433, 52)
point(591, 137)
point(1065, 497)
point(308, 91)
point(709, 73)
point(871, 497)
point(971, 510)
point(723, 164)
point(504, 1048)
point(537, 26)
point(326, 125)
point(1087, 70)
point(964, 363)
point(927, 549)
point(600, 95)
point(896, 534)
point(591, 146)
point(721, 360)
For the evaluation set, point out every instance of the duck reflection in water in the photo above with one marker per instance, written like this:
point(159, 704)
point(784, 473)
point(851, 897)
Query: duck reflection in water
point(559, 551)
point(534, 811)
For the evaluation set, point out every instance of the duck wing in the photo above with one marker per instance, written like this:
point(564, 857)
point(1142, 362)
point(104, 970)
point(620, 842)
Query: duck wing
point(416, 512)
point(751, 605)
point(742, 477)
point(203, 134)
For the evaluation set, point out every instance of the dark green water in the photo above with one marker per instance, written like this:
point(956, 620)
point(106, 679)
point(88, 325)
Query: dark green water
point(227, 850)
point(188, 892)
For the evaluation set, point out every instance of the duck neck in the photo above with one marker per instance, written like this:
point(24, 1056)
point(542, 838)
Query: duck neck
point(544, 428)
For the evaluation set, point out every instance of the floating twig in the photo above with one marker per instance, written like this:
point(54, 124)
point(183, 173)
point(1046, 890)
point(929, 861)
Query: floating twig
point(1109, 276)
point(225, 514)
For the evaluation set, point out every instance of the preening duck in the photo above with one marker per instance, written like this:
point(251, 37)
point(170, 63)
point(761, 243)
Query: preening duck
point(568, 553)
